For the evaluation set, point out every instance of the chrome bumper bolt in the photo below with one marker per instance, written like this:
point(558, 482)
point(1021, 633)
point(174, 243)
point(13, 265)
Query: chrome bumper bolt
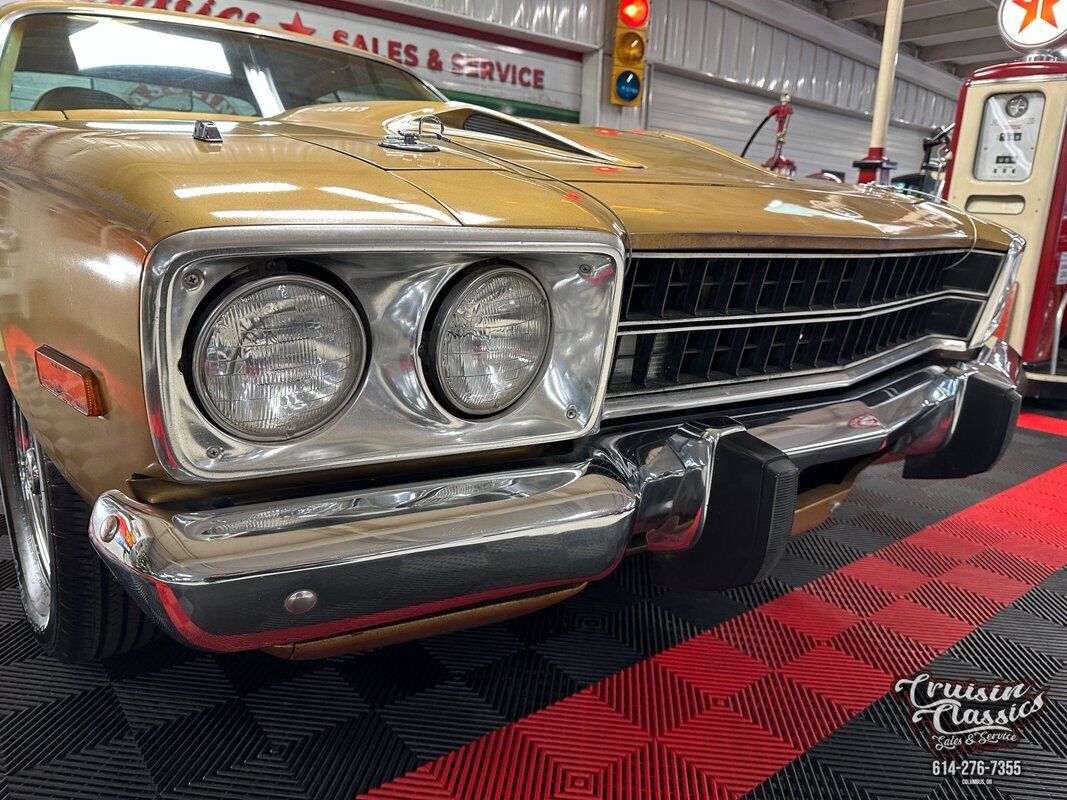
point(109, 529)
point(301, 601)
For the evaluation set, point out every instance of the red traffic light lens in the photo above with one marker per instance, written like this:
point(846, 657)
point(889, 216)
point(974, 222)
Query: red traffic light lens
point(634, 12)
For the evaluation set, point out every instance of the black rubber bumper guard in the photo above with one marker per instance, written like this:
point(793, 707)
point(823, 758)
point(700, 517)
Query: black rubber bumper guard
point(753, 491)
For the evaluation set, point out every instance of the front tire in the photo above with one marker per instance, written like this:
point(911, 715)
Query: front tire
point(76, 609)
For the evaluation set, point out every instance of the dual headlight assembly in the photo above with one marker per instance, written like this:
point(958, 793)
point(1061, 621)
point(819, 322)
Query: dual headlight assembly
point(279, 357)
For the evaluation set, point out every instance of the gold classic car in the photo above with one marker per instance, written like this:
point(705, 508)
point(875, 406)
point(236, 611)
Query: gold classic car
point(300, 356)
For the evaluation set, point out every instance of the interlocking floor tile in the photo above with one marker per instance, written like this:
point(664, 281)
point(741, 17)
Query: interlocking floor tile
point(625, 692)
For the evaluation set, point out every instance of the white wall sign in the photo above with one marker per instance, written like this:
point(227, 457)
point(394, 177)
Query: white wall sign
point(1032, 24)
point(449, 61)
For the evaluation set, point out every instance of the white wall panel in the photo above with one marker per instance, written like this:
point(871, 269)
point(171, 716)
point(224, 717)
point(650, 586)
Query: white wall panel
point(567, 20)
point(700, 36)
point(817, 139)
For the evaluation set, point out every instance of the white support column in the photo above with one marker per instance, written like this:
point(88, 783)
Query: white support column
point(592, 87)
point(876, 167)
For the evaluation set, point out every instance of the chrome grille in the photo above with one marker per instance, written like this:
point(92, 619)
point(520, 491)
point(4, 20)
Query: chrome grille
point(691, 320)
point(675, 287)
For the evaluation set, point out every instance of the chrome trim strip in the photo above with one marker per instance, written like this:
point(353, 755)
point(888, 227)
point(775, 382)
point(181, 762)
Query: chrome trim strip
point(1057, 332)
point(1045, 377)
point(394, 394)
point(758, 387)
point(1020, 79)
point(805, 316)
point(963, 251)
point(767, 320)
point(998, 295)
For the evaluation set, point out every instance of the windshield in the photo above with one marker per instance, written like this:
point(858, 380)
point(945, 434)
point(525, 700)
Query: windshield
point(64, 62)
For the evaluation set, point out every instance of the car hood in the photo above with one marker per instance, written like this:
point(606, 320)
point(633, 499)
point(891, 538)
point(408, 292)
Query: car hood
point(326, 164)
point(667, 190)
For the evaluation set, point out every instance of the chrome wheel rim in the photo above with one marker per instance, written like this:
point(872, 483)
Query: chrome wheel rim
point(33, 527)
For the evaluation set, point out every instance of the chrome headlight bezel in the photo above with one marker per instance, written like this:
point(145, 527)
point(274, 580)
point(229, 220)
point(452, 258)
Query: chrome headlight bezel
point(394, 275)
point(221, 304)
point(446, 308)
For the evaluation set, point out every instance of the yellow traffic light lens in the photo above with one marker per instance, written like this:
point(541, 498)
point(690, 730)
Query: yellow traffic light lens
point(634, 12)
point(630, 48)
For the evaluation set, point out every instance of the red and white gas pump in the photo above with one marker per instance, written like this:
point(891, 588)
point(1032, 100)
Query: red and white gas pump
point(1009, 165)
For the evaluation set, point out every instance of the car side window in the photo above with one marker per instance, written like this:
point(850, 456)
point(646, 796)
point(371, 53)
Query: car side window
point(27, 87)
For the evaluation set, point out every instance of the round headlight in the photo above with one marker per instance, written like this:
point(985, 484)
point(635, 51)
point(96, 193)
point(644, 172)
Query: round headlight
point(278, 357)
point(489, 339)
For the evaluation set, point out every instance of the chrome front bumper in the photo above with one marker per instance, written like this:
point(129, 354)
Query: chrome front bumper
point(273, 573)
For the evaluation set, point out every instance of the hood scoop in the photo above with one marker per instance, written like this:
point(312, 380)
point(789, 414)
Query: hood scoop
point(478, 134)
point(504, 128)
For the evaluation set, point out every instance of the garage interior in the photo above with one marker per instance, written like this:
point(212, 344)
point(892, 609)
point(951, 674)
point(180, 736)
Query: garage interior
point(781, 690)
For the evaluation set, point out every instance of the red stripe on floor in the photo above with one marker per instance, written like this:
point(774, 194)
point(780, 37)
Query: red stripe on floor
point(718, 714)
point(1039, 422)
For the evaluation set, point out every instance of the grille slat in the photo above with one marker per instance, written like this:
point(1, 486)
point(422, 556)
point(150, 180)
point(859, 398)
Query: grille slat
point(808, 312)
point(701, 286)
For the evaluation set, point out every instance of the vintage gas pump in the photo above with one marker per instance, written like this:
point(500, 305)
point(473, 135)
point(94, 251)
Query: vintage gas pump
point(1009, 165)
point(781, 112)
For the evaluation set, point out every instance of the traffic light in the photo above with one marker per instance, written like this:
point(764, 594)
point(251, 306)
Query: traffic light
point(631, 39)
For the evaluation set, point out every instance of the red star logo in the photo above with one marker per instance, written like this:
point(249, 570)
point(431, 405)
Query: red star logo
point(298, 26)
point(1032, 8)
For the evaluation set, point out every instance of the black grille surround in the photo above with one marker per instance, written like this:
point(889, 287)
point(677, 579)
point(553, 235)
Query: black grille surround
point(692, 320)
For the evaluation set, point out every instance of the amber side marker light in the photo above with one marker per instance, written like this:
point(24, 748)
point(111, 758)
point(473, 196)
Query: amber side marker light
point(69, 380)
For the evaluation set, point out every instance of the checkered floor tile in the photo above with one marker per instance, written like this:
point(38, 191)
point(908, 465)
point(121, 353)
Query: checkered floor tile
point(779, 690)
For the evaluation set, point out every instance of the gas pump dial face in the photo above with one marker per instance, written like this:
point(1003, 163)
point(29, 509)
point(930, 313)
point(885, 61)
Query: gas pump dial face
point(1008, 137)
point(1017, 106)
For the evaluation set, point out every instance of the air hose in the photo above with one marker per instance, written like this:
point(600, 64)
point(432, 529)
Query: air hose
point(755, 133)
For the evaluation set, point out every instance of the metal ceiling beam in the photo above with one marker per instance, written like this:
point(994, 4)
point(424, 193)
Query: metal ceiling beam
point(990, 47)
point(950, 23)
point(858, 9)
point(971, 67)
point(787, 15)
point(970, 63)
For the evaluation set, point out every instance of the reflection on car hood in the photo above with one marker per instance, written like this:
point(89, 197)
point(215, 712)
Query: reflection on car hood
point(325, 164)
point(658, 184)
point(479, 138)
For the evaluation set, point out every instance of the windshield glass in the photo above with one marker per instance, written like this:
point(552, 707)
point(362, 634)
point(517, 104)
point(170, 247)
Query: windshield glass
point(65, 62)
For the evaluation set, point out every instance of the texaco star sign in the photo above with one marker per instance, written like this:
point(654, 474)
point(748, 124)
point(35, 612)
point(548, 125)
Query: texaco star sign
point(1033, 24)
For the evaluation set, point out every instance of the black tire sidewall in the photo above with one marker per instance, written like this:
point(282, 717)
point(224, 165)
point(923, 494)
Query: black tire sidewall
point(15, 514)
